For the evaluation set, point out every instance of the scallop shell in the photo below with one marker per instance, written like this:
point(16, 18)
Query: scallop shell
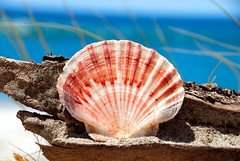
point(120, 89)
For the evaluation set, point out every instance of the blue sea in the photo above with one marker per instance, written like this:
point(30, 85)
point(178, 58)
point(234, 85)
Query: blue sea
point(194, 46)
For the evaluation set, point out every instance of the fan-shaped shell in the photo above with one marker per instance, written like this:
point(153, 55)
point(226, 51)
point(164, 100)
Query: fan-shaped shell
point(120, 89)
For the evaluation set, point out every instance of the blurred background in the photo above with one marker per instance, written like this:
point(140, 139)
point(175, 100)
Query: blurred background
point(200, 37)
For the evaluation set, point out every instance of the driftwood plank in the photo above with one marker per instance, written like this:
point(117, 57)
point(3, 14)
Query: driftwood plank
point(207, 126)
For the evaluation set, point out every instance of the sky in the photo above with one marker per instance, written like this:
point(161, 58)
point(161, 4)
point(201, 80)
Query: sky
point(196, 8)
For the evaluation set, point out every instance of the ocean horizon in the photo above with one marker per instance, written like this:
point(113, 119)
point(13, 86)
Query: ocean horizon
point(194, 45)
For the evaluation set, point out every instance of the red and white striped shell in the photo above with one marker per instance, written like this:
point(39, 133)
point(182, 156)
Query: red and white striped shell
point(120, 89)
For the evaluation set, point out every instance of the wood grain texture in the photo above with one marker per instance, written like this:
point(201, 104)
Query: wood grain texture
point(206, 128)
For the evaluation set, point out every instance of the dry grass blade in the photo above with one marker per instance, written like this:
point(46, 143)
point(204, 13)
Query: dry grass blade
point(199, 52)
point(18, 157)
point(203, 38)
point(38, 141)
point(27, 154)
point(213, 79)
point(113, 30)
point(58, 26)
point(37, 28)
point(12, 41)
point(71, 28)
point(217, 55)
point(16, 35)
point(232, 66)
point(226, 12)
point(75, 23)
point(135, 22)
point(160, 34)
point(163, 40)
point(211, 74)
